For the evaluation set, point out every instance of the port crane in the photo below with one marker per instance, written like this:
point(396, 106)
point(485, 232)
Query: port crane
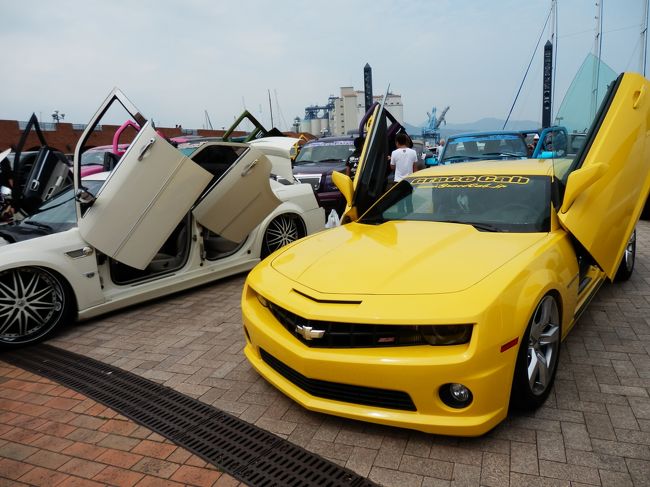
point(431, 130)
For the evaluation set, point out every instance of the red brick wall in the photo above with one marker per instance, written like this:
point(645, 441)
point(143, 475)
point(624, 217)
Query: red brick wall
point(64, 138)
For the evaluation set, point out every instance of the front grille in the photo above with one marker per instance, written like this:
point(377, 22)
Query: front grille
point(348, 335)
point(313, 179)
point(368, 396)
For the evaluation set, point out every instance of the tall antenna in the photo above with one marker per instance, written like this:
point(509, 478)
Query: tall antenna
point(554, 41)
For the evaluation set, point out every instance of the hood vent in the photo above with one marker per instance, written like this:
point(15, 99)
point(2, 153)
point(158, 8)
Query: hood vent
point(327, 301)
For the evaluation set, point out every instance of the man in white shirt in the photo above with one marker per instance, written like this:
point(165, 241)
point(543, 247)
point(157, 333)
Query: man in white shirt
point(402, 159)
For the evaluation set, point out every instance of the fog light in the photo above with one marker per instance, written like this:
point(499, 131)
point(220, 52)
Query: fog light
point(456, 395)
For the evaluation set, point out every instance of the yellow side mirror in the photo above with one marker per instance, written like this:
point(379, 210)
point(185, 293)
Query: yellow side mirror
point(579, 180)
point(344, 183)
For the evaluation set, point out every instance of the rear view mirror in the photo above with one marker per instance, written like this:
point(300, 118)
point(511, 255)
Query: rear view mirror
point(579, 180)
point(344, 183)
point(85, 197)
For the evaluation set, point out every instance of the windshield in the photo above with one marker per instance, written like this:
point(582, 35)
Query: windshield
point(499, 203)
point(92, 157)
point(61, 209)
point(477, 147)
point(325, 152)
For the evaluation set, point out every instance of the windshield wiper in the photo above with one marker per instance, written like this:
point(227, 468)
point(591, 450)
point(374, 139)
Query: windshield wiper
point(485, 227)
point(331, 159)
point(41, 226)
point(455, 158)
point(507, 154)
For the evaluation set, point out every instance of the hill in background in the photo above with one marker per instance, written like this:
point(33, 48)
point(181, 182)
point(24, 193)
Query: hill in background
point(477, 126)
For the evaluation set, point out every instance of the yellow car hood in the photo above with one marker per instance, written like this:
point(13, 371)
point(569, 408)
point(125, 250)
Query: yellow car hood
point(399, 257)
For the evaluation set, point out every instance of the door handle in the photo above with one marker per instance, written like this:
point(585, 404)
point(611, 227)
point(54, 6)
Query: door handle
point(248, 168)
point(638, 97)
point(146, 147)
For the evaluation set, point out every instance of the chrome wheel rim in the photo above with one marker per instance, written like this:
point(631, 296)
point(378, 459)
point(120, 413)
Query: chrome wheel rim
point(630, 252)
point(543, 345)
point(282, 231)
point(31, 300)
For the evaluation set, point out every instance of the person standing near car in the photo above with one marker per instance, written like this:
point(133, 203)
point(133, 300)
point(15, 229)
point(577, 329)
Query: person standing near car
point(402, 159)
point(352, 161)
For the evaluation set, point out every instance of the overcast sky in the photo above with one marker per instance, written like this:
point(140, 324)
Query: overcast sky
point(176, 59)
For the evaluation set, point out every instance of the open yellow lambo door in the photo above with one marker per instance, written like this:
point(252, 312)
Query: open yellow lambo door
point(609, 180)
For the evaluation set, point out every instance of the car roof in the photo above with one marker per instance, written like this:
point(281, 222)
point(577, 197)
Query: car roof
point(532, 167)
point(98, 176)
point(325, 140)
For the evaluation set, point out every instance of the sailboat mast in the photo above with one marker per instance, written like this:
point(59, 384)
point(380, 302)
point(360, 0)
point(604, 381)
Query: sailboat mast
point(271, 109)
point(598, 46)
point(644, 37)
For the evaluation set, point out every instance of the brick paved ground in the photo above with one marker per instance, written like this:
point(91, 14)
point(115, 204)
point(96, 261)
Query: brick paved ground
point(593, 430)
point(52, 436)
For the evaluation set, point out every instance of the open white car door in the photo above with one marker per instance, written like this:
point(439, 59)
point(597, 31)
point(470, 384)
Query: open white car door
point(240, 199)
point(147, 194)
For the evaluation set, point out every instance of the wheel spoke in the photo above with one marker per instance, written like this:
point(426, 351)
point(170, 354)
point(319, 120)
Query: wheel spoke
point(31, 285)
point(542, 369)
point(8, 321)
point(533, 368)
point(550, 337)
point(20, 284)
point(31, 313)
point(39, 294)
point(7, 292)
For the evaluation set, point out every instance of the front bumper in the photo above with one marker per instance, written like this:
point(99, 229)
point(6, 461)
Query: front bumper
point(418, 371)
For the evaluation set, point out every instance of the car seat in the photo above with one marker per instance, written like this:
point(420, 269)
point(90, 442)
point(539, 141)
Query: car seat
point(492, 146)
point(172, 253)
point(216, 246)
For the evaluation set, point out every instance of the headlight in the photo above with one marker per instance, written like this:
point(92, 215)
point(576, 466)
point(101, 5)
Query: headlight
point(262, 300)
point(446, 334)
point(328, 184)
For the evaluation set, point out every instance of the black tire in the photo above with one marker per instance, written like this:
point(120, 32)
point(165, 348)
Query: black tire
point(538, 356)
point(33, 303)
point(626, 267)
point(282, 230)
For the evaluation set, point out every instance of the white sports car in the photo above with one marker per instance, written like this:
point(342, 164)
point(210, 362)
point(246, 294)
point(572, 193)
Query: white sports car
point(159, 222)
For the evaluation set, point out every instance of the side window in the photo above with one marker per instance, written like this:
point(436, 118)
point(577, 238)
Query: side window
point(217, 159)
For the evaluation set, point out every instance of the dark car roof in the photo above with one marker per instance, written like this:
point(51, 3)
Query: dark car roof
point(348, 138)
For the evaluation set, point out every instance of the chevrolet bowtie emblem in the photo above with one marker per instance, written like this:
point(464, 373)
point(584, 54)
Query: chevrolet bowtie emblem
point(308, 333)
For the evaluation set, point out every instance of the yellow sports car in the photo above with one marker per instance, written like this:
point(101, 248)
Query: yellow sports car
point(447, 299)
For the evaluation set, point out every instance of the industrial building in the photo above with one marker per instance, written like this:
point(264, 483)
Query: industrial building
point(341, 115)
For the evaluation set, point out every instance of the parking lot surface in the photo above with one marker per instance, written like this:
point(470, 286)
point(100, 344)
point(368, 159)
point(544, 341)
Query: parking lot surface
point(593, 430)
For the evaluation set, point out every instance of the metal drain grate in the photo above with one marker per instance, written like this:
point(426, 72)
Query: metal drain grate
point(246, 452)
